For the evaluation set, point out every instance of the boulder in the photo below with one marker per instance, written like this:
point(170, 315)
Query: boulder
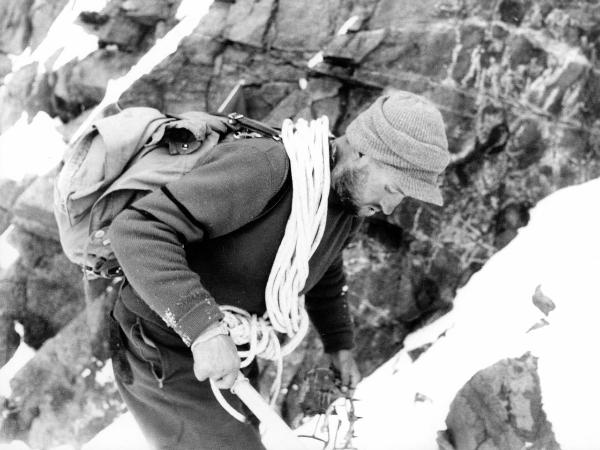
point(484, 9)
point(42, 290)
point(33, 209)
point(181, 82)
point(301, 27)
point(122, 31)
point(295, 105)
point(351, 49)
point(54, 294)
point(553, 92)
point(542, 301)
point(12, 302)
point(590, 95)
point(513, 11)
point(64, 395)
point(5, 66)
point(9, 339)
point(81, 85)
point(26, 91)
point(564, 26)
point(42, 14)
point(399, 13)
point(520, 51)
point(261, 100)
point(13, 289)
point(471, 37)
point(130, 25)
point(410, 50)
point(149, 14)
point(15, 26)
point(9, 191)
point(252, 31)
point(527, 144)
point(500, 408)
point(459, 110)
point(508, 221)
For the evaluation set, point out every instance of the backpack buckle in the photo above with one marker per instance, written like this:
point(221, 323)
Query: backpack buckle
point(254, 126)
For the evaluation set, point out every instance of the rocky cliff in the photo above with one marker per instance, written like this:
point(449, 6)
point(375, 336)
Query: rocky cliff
point(517, 82)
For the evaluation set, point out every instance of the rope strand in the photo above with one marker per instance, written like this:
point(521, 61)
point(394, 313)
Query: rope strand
point(307, 147)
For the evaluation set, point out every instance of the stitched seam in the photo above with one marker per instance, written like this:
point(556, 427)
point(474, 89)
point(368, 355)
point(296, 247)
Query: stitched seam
point(181, 207)
point(151, 216)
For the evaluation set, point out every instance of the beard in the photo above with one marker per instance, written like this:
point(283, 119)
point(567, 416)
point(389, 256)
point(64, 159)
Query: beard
point(345, 187)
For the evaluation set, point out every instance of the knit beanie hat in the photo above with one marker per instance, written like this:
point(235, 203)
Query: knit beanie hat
point(406, 132)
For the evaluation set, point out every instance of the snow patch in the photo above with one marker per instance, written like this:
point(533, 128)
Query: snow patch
point(559, 250)
point(38, 154)
point(122, 433)
point(21, 357)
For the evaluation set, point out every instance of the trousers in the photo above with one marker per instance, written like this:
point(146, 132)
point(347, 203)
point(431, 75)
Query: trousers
point(174, 410)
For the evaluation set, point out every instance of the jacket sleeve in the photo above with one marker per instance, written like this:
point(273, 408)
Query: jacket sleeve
point(328, 310)
point(149, 237)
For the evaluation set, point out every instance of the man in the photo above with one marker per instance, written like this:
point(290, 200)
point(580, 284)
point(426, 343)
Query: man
point(211, 237)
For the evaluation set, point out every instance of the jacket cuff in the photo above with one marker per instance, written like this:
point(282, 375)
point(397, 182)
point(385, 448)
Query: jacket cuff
point(193, 323)
point(342, 340)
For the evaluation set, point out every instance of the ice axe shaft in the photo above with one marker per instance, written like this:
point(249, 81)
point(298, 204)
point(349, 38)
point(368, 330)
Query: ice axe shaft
point(279, 433)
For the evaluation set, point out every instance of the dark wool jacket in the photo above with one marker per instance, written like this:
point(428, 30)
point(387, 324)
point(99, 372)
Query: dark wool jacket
point(210, 238)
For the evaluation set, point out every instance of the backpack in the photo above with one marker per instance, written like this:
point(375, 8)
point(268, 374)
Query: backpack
point(122, 158)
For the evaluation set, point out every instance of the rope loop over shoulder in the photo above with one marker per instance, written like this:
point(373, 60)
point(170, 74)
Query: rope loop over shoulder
point(307, 147)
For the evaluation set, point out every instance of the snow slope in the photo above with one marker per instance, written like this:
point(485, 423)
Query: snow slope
point(560, 250)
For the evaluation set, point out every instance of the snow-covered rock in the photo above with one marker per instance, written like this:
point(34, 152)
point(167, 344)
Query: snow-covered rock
point(405, 402)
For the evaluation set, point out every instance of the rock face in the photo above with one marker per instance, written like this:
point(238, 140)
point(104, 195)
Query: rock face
point(130, 25)
point(41, 16)
point(32, 210)
point(61, 395)
point(500, 408)
point(79, 86)
point(42, 290)
point(15, 26)
point(26, 91)
point(516, 81)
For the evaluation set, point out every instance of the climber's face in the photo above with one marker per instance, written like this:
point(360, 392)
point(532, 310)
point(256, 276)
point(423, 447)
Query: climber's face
point(361, 184)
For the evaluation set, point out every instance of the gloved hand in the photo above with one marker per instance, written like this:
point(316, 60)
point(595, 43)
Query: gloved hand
point(217, 359)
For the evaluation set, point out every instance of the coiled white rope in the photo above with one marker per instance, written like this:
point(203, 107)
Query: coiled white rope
point(307, 147)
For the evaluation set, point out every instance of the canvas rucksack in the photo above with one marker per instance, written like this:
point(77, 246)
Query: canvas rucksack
point(124, 157)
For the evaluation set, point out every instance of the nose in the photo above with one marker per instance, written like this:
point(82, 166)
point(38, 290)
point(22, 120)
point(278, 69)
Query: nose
point(388, 204)
point(387, 208)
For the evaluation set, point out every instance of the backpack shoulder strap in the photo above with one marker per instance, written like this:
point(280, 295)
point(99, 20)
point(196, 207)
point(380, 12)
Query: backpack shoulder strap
point(237, 120)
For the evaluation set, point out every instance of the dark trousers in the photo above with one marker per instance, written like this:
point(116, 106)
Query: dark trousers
point(174, 410)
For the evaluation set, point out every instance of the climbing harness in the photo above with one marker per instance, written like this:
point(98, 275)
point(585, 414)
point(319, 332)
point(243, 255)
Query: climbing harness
point(307, 146)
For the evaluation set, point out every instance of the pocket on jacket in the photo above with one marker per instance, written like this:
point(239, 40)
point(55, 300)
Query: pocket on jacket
point(143, 346)
point(116, 341)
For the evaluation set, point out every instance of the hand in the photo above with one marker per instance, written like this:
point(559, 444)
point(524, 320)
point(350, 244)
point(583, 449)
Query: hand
point(217, 359)
point(214, 123)
point(343, 360)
